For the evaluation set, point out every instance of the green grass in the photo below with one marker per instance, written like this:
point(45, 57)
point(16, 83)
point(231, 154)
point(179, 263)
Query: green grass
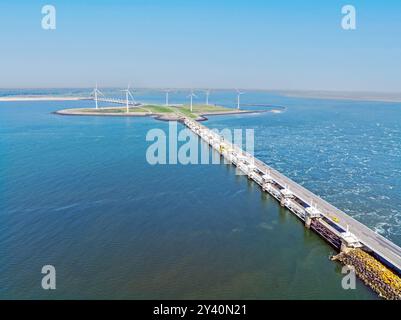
point(158, 109)
point(112, 110)
point(155, 109)
point(199, 109)
point(208, 108)
point(186, 112)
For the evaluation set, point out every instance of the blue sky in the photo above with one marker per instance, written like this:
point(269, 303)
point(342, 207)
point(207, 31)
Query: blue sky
point(286, 44)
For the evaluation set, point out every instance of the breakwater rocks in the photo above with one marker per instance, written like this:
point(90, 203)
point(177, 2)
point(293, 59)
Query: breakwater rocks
point(373, 273)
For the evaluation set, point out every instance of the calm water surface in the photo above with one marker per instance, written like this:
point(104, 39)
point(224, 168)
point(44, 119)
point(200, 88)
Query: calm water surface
point(77, 193)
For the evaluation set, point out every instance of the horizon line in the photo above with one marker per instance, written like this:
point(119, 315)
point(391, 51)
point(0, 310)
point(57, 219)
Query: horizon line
point(206, 88)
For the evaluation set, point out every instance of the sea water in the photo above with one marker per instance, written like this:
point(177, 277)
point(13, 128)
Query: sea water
point(77, 193)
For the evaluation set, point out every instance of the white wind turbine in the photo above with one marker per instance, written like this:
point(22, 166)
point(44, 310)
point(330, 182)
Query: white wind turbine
point(239, 93)
point(96, 92)
point(207, 92)
point(192, 95)
point(127, 95)
point(167, 91)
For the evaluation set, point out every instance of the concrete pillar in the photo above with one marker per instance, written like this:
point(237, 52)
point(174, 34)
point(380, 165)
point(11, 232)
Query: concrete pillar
point(250, 171)
point(344, 247)
point(267, 186)
point(349, 241)
point(310, 214)
point(308, 221)
point(285, 194)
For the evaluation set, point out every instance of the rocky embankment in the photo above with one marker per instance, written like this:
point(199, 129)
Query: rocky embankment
point(377, 276)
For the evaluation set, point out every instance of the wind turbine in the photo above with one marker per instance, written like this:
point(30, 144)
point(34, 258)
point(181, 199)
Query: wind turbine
point(239, 93)
point(96, 92)
point(167, 91)
point(192, 95)
point(207, 92)
point(127, 95)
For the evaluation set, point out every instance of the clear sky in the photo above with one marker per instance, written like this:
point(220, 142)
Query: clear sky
point(281, 44)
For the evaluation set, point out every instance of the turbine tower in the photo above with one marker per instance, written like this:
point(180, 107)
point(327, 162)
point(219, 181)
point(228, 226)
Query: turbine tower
point(95, 93)
point(239, 93)
point(167, 91)
point(207, 92)
point(127, 95)
point(192, 95)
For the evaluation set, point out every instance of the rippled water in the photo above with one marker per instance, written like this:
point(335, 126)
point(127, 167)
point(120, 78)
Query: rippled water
point(77, 193)
point(345, 151)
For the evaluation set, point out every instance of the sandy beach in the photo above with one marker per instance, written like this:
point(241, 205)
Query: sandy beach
point(41, 98)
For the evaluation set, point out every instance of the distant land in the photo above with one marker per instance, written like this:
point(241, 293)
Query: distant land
point(344, 95)
point(312, 94)
point(163, 112)
point(41, 98)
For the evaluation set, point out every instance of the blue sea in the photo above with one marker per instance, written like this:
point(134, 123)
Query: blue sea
point(77, 193)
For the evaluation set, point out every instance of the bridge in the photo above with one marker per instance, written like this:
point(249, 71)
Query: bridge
point(119, 101)
point(338, 228)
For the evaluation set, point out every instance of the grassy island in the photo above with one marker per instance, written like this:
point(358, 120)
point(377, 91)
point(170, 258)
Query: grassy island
point(161, 112)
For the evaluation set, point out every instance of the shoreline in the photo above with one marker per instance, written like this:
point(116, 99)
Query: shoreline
point(343, 96)
point(41, 98)
point(203, 116)
point(325, 95)
point(159, 116)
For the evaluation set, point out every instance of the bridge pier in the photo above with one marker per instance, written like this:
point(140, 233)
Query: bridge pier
point(368, 239)
point(251, 170)
point(311, 213)
point(285, 195)
point(267, 182)
point(349, 241)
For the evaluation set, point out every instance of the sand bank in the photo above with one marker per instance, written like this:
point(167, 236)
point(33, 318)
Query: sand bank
point(42, 98)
